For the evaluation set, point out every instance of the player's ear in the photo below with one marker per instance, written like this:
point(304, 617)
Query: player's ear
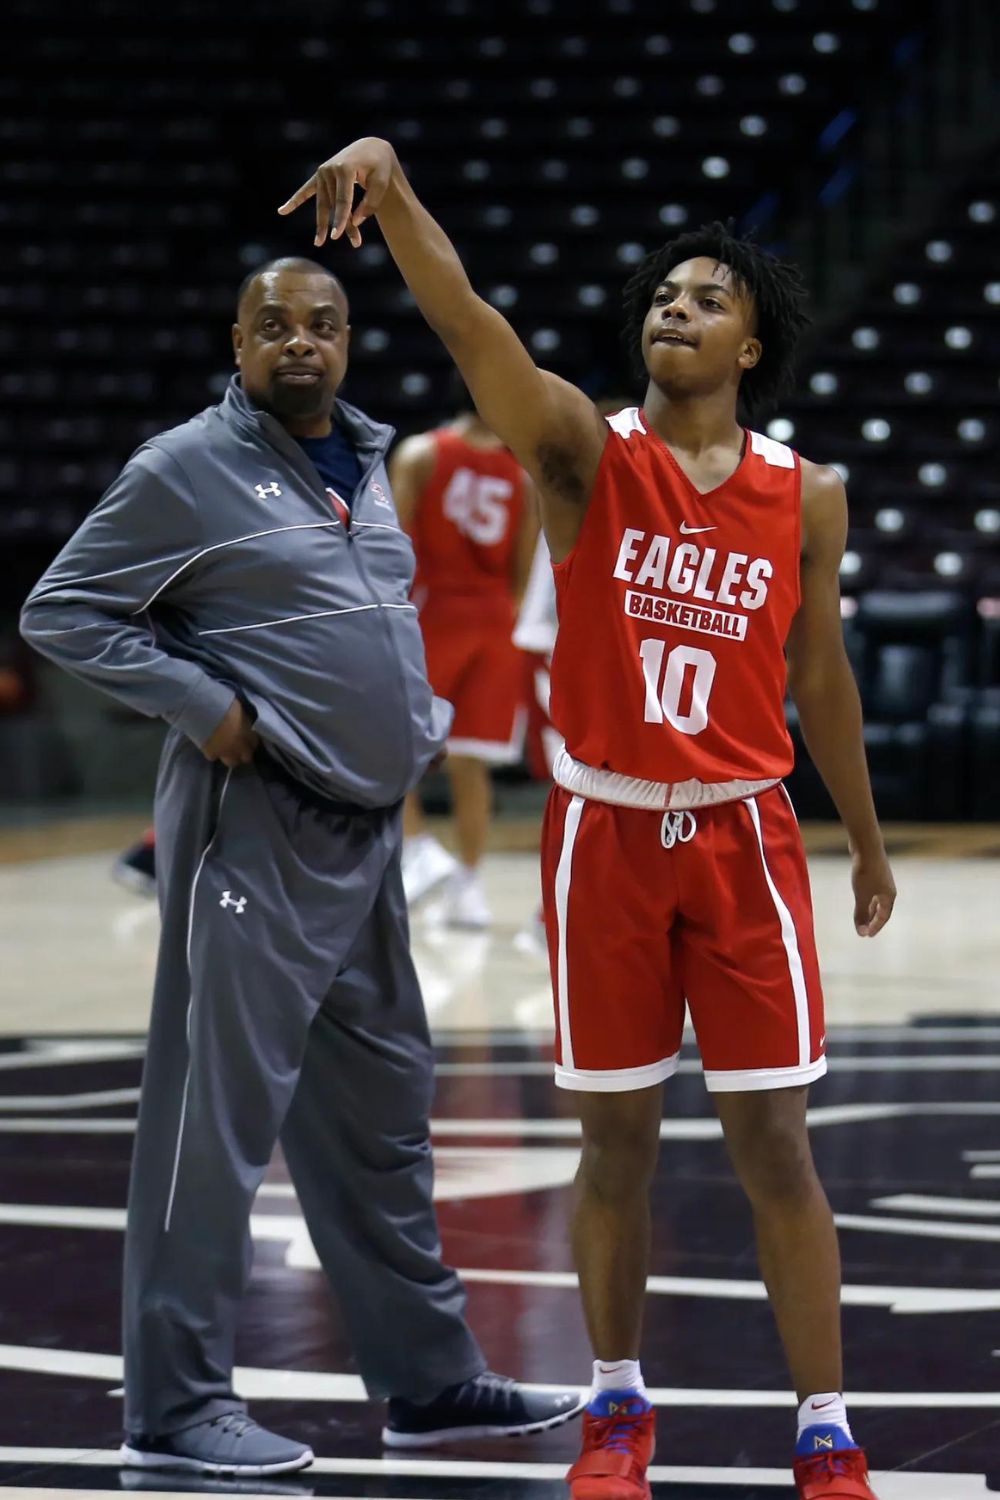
point(237, 342)
point(750, 354)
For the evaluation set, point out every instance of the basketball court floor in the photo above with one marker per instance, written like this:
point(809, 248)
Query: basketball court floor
point(906, 1132)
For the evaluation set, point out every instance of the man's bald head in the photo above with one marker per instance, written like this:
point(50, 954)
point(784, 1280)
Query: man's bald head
point(297, 265)
point(291, 339)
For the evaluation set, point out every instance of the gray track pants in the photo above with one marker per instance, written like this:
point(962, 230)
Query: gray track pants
point(285, 1006)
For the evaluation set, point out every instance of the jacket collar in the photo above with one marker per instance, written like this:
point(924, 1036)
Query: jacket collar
point(238, 411)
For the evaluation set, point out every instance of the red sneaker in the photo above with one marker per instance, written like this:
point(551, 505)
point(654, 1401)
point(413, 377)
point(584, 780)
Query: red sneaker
point(834, 1476)
point(619, 1439)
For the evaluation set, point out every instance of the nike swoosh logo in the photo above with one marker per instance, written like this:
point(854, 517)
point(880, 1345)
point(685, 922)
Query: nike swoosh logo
point(822, 1405)
point(687, 530)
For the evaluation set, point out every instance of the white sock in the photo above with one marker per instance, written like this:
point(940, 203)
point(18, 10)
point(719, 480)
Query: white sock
point(825, 1407)
point(618, 1375)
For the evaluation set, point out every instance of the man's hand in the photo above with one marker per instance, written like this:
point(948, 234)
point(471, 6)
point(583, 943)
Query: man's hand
point(368, 163)
point(235, 740)
point(874, 892)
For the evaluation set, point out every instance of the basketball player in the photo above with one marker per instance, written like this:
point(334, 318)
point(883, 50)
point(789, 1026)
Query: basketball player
point(246, 579)
point(691, 555)
point(463, 498)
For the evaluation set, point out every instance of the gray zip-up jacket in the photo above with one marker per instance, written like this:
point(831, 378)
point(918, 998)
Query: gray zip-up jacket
point(214, 565)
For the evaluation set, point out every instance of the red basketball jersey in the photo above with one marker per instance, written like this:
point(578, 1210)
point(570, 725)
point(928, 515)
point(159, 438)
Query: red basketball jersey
point(466, 527)
point(674, 607)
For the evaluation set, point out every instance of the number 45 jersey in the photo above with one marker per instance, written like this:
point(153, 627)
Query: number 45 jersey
point(465, 530)
point(668, 678)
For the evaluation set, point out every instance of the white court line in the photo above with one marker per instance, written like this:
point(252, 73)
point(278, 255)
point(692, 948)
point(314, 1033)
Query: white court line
point(63, 1054)
point(261, 1384)
point(43, 1102)
point(291, 1229)
point(51, 1492)
point(39, 1126)
point(895, 1486)
point(72, 1049)
point(927, 1203)
point(280, 1227)
point(534, 1068)
point(921, 1228)
point(45, 1216)
point(897, 1299)
point(974, 1062)
point(699, 1129)
point(838, 1032)
point(910, 1033)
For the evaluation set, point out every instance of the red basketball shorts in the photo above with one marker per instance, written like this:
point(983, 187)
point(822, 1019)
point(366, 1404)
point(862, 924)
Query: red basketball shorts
point(477, 667)
point(647, 912)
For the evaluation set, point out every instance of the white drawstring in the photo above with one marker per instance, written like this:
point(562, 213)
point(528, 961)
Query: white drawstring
point(677, 828)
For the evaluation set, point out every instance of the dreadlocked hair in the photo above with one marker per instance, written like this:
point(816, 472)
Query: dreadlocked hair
point(776, 286)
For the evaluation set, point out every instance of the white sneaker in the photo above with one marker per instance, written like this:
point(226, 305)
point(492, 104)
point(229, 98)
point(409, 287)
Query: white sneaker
point(530, 940)
point(426, 865)
point(465, 903)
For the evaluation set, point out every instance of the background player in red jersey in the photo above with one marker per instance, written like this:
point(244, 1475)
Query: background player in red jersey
point(691, 557)
point(464, 499)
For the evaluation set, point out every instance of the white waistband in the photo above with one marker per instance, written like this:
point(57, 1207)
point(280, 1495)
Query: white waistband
point(656, 796)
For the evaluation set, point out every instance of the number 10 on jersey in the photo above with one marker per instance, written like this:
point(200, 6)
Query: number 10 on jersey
point(687, 668)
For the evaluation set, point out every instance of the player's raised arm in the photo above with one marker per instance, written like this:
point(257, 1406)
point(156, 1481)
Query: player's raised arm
point(826, 695)
point(553, 428)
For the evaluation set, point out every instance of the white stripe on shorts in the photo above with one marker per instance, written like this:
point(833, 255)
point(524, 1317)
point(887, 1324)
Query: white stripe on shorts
point(791, 944)
point(564, 872)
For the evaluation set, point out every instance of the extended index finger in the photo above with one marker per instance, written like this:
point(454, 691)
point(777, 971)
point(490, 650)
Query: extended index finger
point(305, 192)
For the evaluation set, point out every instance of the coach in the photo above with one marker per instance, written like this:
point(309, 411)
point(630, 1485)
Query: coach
point(245, 578)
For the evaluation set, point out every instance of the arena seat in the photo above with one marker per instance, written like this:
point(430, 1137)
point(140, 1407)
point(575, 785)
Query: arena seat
point(178, 154)
point(915, 657)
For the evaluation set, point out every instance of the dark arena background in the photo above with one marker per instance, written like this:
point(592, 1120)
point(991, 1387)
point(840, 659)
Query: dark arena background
point(145, 150)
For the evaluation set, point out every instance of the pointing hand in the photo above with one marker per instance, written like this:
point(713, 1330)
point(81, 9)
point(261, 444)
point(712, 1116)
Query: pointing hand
point(367, 164)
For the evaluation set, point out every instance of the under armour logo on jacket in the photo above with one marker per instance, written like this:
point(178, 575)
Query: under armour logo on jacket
point(238, 903)
point(264, 490)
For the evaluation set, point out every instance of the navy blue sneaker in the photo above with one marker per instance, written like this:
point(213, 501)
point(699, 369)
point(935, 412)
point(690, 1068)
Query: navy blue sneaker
point(489, 1405)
